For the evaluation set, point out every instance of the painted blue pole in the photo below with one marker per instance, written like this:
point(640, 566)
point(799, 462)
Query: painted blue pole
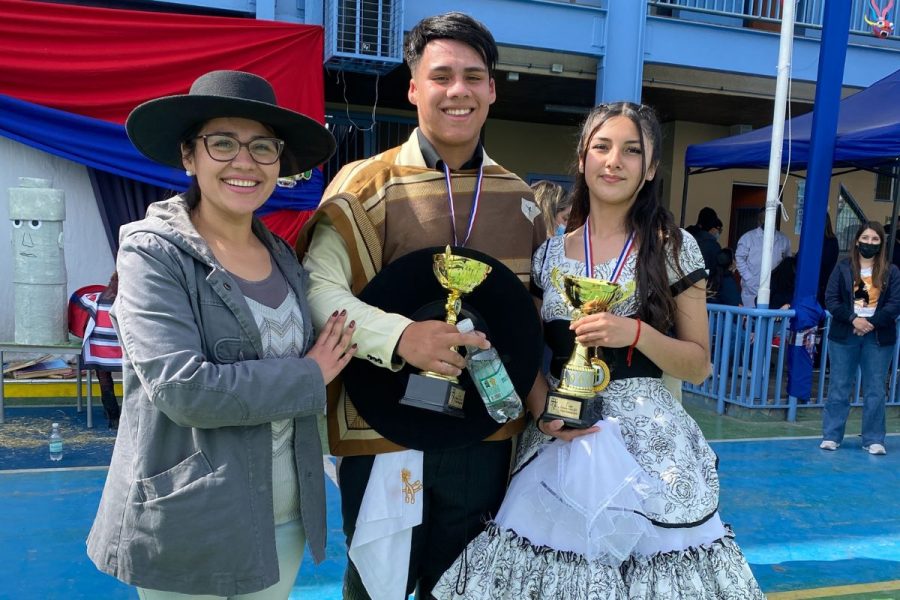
point(832, 56)
point(620, 70)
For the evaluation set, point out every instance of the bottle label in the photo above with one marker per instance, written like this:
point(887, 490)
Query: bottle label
point(497, 385)
point(56, 446)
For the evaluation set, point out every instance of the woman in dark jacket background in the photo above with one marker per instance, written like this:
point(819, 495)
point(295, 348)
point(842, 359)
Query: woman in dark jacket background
point(863, 296)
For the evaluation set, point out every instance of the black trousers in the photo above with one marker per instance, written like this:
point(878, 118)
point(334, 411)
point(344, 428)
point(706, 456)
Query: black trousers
point(462, 490)
point(108, 394)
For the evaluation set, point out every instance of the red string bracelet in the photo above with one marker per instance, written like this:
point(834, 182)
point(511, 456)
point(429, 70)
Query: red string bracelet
point(637, 336)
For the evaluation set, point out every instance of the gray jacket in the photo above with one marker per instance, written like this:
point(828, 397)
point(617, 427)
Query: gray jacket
point(187, 505)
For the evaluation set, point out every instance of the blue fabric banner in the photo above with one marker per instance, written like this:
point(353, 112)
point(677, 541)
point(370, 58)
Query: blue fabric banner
point(105, 146)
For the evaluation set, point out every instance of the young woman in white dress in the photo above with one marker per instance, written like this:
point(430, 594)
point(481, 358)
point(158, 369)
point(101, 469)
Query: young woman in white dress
point(627, 508)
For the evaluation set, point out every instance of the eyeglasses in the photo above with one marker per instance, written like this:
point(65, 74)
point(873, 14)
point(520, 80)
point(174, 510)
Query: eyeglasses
point(223, 148)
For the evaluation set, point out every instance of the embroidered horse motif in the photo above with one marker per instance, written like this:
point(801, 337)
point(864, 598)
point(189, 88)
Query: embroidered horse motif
point(409, 489)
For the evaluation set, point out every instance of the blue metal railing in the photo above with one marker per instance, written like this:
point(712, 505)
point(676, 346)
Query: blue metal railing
point(809, 12)
point(749, 362)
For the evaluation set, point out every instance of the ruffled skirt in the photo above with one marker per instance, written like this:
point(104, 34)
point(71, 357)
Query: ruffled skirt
point(499, 564)
point(577, 522)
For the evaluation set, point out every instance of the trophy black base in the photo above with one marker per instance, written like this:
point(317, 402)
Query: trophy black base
point(575, 412)
point(435, 394)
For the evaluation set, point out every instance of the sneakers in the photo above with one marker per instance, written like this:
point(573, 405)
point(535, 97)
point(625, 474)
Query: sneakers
point(829, 445)
point(876, 449)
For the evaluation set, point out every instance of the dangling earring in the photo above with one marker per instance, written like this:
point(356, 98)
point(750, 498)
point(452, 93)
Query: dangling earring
point(189, 173)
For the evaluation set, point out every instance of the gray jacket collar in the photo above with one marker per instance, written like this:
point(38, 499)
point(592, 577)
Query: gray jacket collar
point(171, 220)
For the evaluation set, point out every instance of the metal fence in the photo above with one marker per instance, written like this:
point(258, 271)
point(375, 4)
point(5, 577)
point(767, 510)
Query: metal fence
point(749, 362)
point(358, 137)
point(809, 13)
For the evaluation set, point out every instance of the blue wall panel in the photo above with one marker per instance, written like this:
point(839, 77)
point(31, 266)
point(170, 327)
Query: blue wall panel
point(581, 29)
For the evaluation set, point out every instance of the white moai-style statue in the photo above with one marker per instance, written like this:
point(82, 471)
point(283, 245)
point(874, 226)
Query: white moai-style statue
point(37, 212)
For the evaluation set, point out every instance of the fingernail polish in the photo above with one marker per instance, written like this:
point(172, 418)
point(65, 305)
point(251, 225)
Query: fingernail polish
point(343, 312)
point(334, 314)
point(352, 324)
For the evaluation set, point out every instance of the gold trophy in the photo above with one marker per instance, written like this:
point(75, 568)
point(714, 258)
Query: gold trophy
point(583, 376)
point(458, 275)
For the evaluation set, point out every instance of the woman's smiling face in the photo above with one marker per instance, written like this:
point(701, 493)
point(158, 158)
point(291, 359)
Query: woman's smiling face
point(240, 186)
point(614, 165)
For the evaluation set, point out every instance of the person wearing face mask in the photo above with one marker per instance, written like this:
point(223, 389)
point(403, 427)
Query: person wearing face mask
point(555, 203)
point(863, 296)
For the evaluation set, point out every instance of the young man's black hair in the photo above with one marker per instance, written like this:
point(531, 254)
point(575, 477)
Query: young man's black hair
point(451, 26)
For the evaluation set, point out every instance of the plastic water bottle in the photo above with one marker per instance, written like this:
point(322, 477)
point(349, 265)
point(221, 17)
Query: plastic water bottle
point(491, 379)
point(56, 443)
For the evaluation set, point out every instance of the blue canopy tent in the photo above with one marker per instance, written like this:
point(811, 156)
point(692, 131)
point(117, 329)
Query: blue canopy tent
point(868, 137)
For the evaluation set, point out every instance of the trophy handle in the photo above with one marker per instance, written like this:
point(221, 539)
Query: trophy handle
point(556, 280)
point(627, 292)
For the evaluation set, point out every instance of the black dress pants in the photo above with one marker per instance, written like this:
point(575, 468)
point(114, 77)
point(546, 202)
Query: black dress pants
point(462, 490)
point(108, 395)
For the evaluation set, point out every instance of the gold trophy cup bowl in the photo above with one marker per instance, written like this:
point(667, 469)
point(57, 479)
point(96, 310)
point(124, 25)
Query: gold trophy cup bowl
point(458, 275)
point(582, 377)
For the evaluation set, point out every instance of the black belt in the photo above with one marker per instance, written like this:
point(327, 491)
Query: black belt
point(561, 341)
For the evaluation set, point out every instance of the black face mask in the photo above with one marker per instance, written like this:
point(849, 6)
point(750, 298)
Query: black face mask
point(868, 250)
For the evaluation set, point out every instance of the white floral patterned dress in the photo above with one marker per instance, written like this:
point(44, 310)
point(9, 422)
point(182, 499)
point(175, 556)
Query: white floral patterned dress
point(629, 512)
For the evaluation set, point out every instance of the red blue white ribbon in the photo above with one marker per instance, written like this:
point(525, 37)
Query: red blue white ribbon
point(589, 254)
point(474, 205)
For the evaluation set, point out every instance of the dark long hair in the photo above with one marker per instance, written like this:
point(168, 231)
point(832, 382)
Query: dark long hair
point(652, 224)
point(879, 261)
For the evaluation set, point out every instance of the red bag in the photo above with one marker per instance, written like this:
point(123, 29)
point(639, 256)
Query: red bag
point(77, 313)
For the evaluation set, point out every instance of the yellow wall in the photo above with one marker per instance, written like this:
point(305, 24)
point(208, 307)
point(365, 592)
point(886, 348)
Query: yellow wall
point(531, 148)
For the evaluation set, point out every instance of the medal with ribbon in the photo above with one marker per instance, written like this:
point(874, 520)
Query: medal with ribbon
point(453, 208)
point(601, 369)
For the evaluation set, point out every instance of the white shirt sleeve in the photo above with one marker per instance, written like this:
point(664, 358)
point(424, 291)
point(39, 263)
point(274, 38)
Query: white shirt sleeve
point(377, 332)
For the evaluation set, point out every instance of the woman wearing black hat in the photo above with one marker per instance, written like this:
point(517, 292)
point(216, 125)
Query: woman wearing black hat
point(216, 481)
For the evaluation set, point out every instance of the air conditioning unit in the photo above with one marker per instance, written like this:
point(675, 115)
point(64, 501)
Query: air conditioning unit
point(363, 36)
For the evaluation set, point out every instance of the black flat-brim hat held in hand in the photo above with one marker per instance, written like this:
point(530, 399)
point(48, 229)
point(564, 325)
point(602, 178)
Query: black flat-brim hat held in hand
point(500, 306)
point(157, 127)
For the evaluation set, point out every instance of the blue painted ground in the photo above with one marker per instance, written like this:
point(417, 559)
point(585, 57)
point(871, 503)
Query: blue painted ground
point(47, 515)
point(805, 519)
point(809, 518)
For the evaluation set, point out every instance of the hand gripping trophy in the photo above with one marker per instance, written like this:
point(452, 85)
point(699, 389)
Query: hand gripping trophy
point(432, 391)
point(585, 374)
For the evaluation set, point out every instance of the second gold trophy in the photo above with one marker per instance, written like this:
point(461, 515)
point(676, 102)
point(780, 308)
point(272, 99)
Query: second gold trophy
point(585, 374)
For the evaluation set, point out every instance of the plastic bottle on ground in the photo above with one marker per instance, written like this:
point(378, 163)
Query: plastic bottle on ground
point(56, 443)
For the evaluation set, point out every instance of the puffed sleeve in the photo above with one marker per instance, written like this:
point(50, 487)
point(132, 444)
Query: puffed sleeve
point(538, 285)
point(690, 267)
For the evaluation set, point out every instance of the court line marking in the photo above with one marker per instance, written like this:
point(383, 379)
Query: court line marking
point(771, 439)
point(52, 469)
point(838, 590)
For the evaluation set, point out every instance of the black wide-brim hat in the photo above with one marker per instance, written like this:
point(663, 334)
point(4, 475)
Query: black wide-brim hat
point(157, 127)
point(500, 306)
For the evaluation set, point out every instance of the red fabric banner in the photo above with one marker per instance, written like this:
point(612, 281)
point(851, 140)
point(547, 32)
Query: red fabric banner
point(287, 223)
point(101, 62)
